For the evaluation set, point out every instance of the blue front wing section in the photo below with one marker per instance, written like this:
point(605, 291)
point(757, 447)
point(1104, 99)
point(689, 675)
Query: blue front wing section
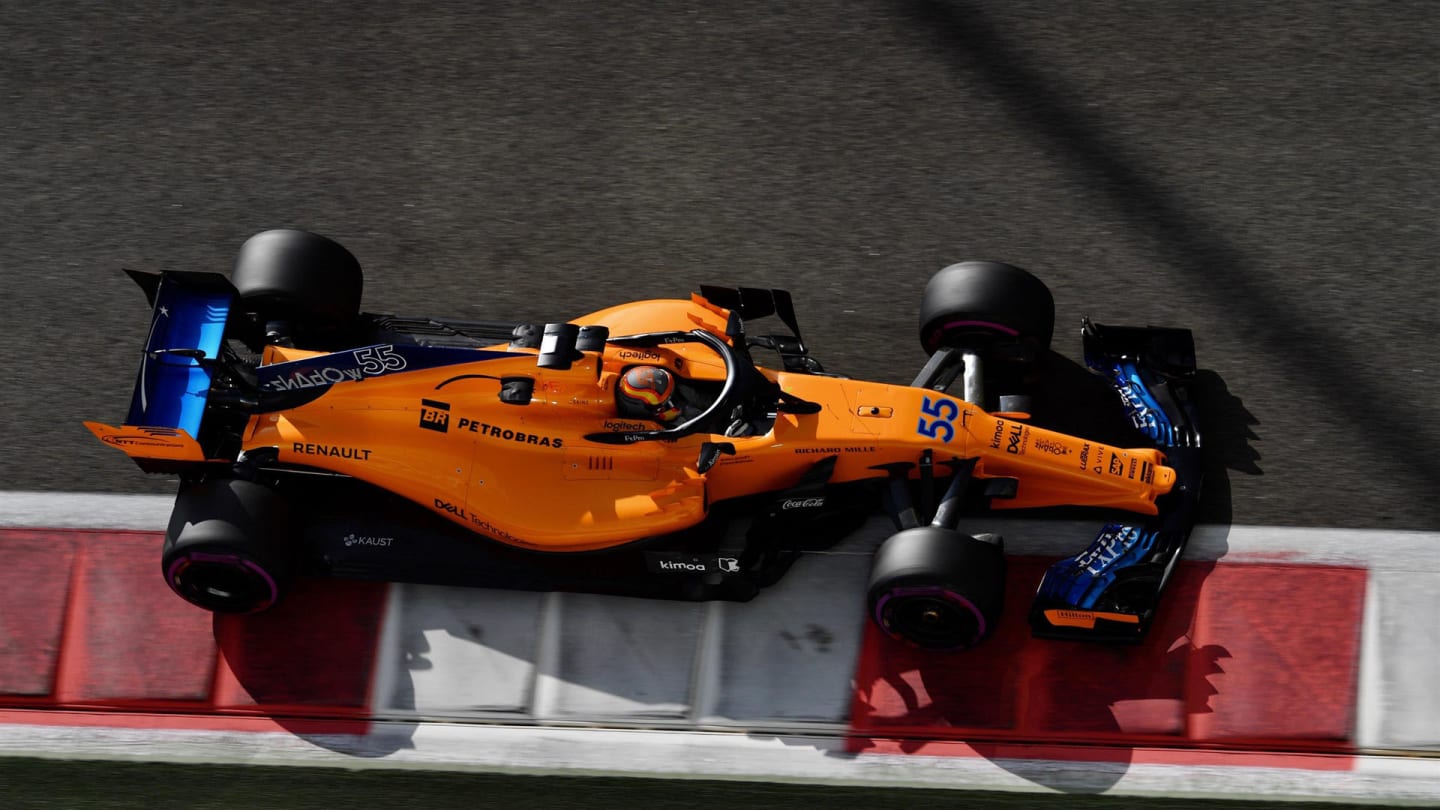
point(1145, 413)
point(1125, 567)
point(1080, 581)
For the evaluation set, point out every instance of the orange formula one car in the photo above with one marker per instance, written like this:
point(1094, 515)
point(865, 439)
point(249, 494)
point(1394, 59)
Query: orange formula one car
point(613, 453)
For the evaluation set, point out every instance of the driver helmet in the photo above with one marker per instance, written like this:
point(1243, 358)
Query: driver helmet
point(647, 392)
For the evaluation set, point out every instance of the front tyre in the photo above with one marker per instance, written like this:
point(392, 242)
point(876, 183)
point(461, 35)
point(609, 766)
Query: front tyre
point(977, 303)
point(936, 588)
point(227, 548)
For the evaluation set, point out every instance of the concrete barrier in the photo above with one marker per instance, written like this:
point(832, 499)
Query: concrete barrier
point(1279, 651)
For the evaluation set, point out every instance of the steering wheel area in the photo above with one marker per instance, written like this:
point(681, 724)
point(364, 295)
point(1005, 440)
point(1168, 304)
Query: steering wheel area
point(730, 390)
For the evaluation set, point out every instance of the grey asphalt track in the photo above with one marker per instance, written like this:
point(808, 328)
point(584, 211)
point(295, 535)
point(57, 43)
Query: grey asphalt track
point(1263, 173)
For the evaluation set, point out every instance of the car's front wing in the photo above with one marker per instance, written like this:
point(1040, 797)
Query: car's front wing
point(1110, 591)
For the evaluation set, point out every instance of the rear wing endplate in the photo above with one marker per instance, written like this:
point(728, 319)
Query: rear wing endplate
point(187, 329)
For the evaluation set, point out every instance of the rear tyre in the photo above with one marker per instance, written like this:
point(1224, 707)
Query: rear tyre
point(227, 548)
point(981, 303)
point(937, 589)
point(300, 286)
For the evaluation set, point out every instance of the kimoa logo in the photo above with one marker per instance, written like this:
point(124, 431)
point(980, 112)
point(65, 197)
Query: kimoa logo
point(672, 565)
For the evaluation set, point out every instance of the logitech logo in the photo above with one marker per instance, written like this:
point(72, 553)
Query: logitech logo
point(620, 425)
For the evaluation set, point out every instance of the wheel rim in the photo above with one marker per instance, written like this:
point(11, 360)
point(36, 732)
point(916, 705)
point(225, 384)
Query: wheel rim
point(226, 583)
point(932, 617)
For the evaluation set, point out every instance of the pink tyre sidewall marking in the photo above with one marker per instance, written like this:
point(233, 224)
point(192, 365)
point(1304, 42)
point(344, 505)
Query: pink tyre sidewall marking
point(234, 560)
point(983, 324)
point(945, 594)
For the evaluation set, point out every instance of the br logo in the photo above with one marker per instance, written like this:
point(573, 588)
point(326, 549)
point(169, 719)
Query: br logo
point(435, 415)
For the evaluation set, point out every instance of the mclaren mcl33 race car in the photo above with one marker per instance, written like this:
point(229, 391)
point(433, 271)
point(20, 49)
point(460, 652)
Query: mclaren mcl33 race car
point(615, 452)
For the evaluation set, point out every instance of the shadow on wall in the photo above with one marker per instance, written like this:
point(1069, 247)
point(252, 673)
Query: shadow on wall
point(478, 653)
point(1016, 690)
point(307, 665)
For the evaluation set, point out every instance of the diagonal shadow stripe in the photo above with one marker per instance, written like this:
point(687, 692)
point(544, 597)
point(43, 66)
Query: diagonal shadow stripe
point(972, 45)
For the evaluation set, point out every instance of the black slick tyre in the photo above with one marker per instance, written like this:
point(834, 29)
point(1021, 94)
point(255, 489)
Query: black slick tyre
point(227, 547)
point(307, 282)
point(936, 588)
point(977, 302)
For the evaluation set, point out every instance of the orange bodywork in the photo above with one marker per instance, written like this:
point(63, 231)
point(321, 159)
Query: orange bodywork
point(526, 475)
point(170, 444)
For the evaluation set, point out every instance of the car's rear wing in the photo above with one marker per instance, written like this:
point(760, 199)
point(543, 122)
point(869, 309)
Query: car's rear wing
point(187, 329)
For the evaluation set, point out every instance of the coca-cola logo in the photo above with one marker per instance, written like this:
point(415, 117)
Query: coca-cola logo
point(802, 503)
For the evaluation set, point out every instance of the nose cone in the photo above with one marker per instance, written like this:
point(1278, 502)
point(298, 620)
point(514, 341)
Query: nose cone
point(1164, 480)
